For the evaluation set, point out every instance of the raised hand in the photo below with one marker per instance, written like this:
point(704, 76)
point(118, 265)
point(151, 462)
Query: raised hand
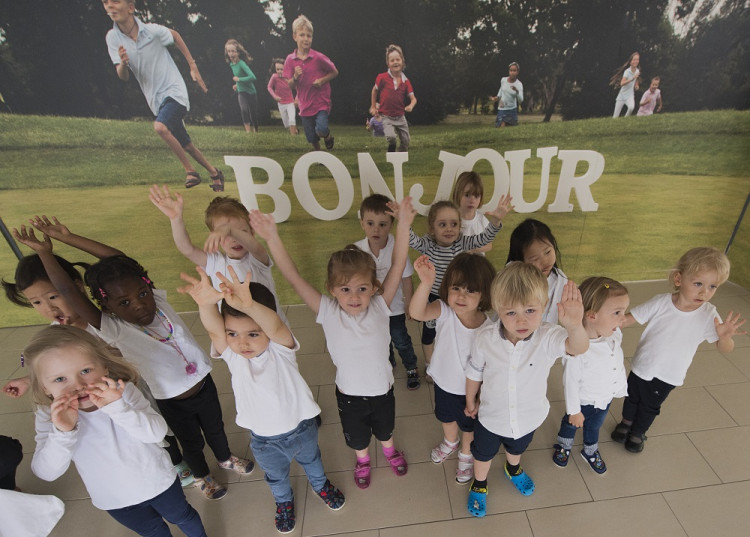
point(15, 388)
point(570, 307)
point(236, 293)
point(425, 269)
point(105, 392)
point(162, 198)
point(731, 326)
point(64, 412)
point(215, 238)
point(53, 228)
point(201, 290)
point(504, 206)
point(123, 55)
point(263, 224)
point(26, 236)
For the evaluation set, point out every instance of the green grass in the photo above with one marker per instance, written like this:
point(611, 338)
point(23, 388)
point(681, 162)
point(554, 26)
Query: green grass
point(671, 182)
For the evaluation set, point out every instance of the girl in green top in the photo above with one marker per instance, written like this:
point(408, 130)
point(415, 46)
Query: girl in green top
point(238, 58)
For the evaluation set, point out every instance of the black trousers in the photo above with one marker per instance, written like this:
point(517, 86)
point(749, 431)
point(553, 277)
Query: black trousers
point(643, 402)
point(11, 454)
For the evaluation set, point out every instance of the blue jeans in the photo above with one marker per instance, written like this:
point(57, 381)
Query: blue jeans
point(274, 454)
point(316, 127)
point(402, 341)
point(147, 518)
point(593, 419)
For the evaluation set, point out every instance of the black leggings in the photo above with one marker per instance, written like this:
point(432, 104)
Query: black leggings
point(11, 454)
point(248, 108)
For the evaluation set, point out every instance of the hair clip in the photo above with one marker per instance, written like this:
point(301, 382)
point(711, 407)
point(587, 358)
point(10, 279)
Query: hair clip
point(146, 280)
point(23, 362)
point(606, 286)
point(102, 293)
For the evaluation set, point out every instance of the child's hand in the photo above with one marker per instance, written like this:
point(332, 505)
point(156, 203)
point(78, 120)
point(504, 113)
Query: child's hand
point(472, 408)
point(494, 98)
point(318, 82)
point(730, 327)
point(570, 307)
point(504, 206)
point(105, 392)
point(408, 108)
point(123, 55)
point(201, 290)
point(15, 388)
point(54, 229)
point(234, 87)
point(576, 420)
point(403, 212)
point(215, 238)
point(236, 78)
point(277, 99)
point(196, 76)
point(297, 72)
point(26, 236)
point(162, 198)
point(64, 412)
point(236, 294)
point(263, 224)
point(425, 269)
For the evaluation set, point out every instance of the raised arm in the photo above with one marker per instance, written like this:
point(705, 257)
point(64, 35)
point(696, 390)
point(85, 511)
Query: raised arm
point(570, 315)
point(183, 48)
point(172, 207)
point(421, 309)
point(392, 280)
point(245, 238)
point(56, 230)
point(206, 297)
point(265, 227)
point(727, 330)
point(504, 206)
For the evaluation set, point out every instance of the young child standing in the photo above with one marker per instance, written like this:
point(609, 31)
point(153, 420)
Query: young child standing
point(627, 78)
point(278, 87)
point(355, 323)
point(387, 98)
point(593, 379)
point(533, 242)
point(376, 222)
point(467, 196)
point(244, 83)
point(458, 314)
point(309, 73)
point(510, 360)
point(90, 413)
point(508, 97)
point(272, 398)
point(142, 49)
point(651, 99)
point(677, 323)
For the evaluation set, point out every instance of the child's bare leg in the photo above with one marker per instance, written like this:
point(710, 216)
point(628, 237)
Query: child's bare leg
point(316, 146)
point(387, 444)
point(481, 469)
point(513, 460)
point(247, 127)
point(363, 453)
point(200, 159)
point(466, 439)
point(173, 144)
point(293, 129)
point(450, 432)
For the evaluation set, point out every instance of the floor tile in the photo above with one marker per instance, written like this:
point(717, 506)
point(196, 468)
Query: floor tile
point(726, 451)
point(515, 524)
point(317, 369)
point(690, 409)
point(713, 511)
point(711, 367)
point(734, 399)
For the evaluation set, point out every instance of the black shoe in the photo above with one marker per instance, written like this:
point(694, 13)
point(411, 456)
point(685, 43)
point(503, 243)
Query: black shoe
point(635, 446)
point(412, 379)
point(329, 142)
point(621, 432)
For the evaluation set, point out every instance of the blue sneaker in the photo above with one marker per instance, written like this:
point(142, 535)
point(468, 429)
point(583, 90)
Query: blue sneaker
point(560, 456)
point(595, 461)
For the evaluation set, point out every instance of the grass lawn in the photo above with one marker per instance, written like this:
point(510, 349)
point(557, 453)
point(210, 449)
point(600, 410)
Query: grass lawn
point(670, 182)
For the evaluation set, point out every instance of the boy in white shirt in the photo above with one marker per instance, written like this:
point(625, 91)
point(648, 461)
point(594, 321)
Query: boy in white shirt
point(272, 398)
point(512, 358)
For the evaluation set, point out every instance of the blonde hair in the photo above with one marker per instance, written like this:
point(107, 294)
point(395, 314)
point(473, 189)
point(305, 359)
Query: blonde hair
point(345, 264)
point(395, 48)
point(58, 336)
point(227, 207)
point(432, 214)
point(467, 179)
point(518, 283)
point(300, 23)
point(243, 54)
point(701, 259)
point(596, 290)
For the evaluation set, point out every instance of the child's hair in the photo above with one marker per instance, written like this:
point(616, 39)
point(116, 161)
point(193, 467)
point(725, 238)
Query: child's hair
point(617, 76)
point(243, 54)
point(656, 79)
point(374, 203)
point(349, 262)
point(474, 272)
point(261, 295)
point(226, 206)
point(30, 270)
point(432, 214)
point(596, 290)
point(272, 69)
point(701, 259)
point(395, 48)
point(511, 64)
point(473, 181)
point(518, 283)
point(300, 23)
point(526, 232)
point(113, 269)
point(59, 336)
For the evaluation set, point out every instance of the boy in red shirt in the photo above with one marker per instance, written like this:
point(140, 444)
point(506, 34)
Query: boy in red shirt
point(393, 87)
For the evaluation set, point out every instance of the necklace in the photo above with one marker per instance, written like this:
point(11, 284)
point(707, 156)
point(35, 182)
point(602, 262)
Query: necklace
point(190, 367)
point(135, 23)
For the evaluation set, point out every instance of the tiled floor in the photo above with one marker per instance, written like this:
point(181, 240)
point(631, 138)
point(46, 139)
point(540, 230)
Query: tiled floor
point(693, 479)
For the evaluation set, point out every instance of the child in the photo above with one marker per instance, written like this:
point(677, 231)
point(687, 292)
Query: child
point(355, 323)
point(677, 323)
point(309, 73)
point(513, 401)
point(593, 379)
point(387, 99)
point(278, 87)
point(142, 48)
point(651, 99)
point(378, 242)
point(238, 58)
point(375, 124)
point(227, 219)
point(627, 78)
point(532, 242)
point(467, 196)
point(459, 314)
point(90, 413)
point(272, 398)
point(509, 97)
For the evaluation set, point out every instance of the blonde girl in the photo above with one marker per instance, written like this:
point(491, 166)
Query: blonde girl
point(458, 314)
point(627, 78)
point(244, 83)
point(90, 413)
point(467, 196)
point(278, 87)
point(355, 321)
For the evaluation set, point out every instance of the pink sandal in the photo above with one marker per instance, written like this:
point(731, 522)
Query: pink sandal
point(398, 463)
point(362, 474)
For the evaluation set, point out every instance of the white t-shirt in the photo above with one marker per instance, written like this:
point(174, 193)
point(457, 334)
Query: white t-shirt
point(513, 400)
point(150, 62)
point(628, 90)
point(115, 449)
point(555, 283)
point(668, 344)
point(507, 98)
point(358, 346)
point(474, 226)
point(159, 363)
point(597, 376)
point(270, 394)
point(383, 264)
point(452, 349)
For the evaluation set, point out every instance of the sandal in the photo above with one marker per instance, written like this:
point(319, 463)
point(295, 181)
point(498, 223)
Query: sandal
point(192, 179)
point(442, 451)
point(362, 474)
point(477, 504)
point(522, 482)
point(398, 463)
point(218, 177)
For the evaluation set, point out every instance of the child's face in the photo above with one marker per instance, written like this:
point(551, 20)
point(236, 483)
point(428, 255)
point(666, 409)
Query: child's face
point(609, 317)
point(541, 254)
point(354, 296)
point(469, 201)
point(119, 10)
point(245, 337)
point(376, 227)
point(654, 86)
point(695, 289)
point(446, 227)
point(279, 69)
point(50, 304)
point(303, 37)
point(512, 72)
point(520, 321)
point(69, 370)
point(132, 300)
point(232, 54)
point(395, 62)
point(634, 61)
point(462, 301)
point(231, 247)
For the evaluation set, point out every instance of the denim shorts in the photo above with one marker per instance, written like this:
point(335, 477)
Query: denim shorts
point(449, 407)
point(486, 444)
point(171, 113)
point(509, 117)
point(316, 127)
